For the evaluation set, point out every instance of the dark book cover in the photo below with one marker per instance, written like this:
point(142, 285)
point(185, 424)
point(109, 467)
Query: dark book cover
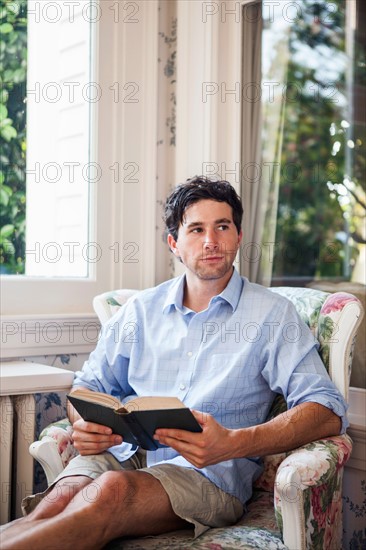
point(138, 426)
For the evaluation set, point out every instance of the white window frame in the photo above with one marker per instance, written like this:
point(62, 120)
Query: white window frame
point(110, 201)
point(122, 212)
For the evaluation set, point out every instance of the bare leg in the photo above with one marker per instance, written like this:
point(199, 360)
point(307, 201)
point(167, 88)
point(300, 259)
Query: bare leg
point(60, 496)
point(52, 504)
point(116, 504)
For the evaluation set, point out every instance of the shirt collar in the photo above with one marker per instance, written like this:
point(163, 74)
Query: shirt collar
point(230, 294)
point(175, 294)
point(232, 291)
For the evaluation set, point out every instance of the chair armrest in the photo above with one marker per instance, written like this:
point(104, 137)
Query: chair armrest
point(55, 448)
point(308, 493)
point(47, 454)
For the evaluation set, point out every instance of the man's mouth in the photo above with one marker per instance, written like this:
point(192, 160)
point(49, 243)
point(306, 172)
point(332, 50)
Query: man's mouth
point(212, 258)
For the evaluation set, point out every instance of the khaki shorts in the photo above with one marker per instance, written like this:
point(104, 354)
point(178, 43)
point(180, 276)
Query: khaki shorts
point(193, 497)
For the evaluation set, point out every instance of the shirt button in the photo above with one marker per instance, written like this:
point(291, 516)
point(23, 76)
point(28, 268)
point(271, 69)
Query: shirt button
point(189, 354)
point(182, 387)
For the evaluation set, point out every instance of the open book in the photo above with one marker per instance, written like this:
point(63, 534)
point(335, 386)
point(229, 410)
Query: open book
point(137, 420)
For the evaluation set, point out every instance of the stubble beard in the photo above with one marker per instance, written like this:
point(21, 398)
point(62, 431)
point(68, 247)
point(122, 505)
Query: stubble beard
point(208, 272)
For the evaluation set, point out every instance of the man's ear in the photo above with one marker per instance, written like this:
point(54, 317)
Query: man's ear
point(172, 244)
point(240, 236)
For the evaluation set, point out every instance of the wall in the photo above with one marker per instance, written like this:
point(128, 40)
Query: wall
point(51, 407)
point(354, 484)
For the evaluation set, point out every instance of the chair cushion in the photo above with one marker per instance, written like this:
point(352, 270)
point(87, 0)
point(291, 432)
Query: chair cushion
point(224, 538)
point(256, 529)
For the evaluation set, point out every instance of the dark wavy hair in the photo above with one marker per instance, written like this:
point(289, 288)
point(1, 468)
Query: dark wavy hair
point(197, 189)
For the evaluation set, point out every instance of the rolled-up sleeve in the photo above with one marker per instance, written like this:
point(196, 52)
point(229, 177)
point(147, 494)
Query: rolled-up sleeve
point(294, 369)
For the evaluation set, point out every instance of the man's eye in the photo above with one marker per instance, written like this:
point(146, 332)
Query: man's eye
point(223, 227)
point(197, 230)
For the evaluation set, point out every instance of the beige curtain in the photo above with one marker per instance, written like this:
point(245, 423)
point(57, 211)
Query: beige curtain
point(251, 138)
point(264, 74)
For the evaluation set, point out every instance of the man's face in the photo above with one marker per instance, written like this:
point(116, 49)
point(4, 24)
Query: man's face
point(207, 239)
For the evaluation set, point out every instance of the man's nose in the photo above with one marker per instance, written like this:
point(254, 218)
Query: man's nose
point(211, 240)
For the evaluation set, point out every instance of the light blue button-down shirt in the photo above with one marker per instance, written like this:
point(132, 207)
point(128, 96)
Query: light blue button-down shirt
point(229, 360)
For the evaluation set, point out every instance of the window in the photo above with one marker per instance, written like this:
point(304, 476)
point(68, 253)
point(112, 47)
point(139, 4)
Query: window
point(61, 97)
point(95, 150)
point(48, 102)
point(314, 133)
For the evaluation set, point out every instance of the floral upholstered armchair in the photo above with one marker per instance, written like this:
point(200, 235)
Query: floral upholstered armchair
point(297, 501)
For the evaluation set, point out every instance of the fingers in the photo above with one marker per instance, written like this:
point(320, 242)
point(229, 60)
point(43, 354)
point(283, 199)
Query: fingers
point(90, 438)
point(96, 447)
point(176, 435)
point(83, 426)
point(197, 453)
point(182, 435)
point(192, 446)
point(210, 446)
point(201, 417)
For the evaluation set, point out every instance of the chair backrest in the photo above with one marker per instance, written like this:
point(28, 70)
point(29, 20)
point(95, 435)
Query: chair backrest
point(332, 318)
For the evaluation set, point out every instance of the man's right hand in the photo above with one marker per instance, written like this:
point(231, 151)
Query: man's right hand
point(92, 439)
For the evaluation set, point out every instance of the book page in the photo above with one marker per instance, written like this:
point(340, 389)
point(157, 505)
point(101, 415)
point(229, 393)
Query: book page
point(153, 403)
point(97, 397)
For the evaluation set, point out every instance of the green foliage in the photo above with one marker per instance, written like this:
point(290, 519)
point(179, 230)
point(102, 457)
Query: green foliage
point(311, 230)
point(13, 71)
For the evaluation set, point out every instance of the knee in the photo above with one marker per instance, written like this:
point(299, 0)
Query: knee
point(110, 489)
point(55, 500)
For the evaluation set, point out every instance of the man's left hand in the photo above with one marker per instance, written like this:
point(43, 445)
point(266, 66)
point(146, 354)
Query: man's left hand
point(214, 444)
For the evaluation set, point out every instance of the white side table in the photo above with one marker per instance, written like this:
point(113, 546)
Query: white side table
point(19, 381)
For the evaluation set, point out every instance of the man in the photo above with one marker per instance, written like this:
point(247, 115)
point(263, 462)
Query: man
point(225, 347)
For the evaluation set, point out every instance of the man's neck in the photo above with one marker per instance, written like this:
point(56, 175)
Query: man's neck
point(198, 293)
